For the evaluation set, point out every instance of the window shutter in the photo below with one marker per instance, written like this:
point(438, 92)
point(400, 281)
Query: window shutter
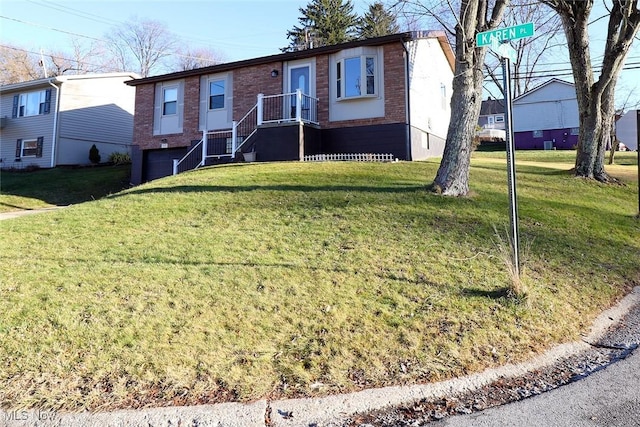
point(39, 147)
point(19, 148)
point(14, 111)
point(47, 102)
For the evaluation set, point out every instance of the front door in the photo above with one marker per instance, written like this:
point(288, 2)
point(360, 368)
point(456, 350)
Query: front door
point(299, 79)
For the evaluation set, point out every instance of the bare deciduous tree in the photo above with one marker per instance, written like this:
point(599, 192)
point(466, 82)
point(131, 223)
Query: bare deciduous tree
point(531, 51)
point(469, 18)
point(141, 45)
point(18, 65)
point(189, 59)
point(596, 98)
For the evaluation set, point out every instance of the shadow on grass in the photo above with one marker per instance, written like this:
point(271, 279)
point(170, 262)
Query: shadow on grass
point(528, 169)
point(63, 186)
point(294, 188)
point(483, 293)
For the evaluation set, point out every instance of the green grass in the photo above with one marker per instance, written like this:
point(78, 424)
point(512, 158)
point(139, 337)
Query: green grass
point(268, 280)
point(59, 186)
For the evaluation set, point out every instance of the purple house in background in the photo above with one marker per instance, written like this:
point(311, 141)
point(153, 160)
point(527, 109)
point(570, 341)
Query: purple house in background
point(546, 117)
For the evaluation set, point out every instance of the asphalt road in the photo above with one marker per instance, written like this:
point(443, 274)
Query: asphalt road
point(609, 397)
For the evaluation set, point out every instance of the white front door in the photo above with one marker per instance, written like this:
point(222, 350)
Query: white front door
point(299, 78)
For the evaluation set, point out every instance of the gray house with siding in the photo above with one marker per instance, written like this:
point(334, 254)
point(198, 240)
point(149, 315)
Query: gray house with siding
point(55, 121)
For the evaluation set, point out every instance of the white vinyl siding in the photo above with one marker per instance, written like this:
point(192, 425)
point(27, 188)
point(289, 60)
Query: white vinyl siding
point(25, 129)
point(92, 109)
point(551, 106)
point(95, 111)
point(430, 85)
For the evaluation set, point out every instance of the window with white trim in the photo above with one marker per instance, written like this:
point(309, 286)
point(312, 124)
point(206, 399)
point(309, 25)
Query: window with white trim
point(216, 94)
point(538, 134)
point(356, 77)
point(170, 101)
point(32, 103)
point(29, 147)
point(499, 119)
point(575, 131)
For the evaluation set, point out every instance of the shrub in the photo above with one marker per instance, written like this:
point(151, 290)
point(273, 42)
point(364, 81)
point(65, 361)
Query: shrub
point(94, 154)
point(119, 158)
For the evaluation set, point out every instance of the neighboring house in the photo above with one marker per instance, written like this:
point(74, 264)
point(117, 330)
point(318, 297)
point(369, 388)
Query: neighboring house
point(492, 114)
point(627, 129)
point(386, 95)
point(55, 121)
point(491, 120)
point(546, 117)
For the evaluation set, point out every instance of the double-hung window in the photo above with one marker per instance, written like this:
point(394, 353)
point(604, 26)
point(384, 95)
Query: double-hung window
point(216, 94)
point(169, 101)
point(356, 77)
point(32, 103)
point(29, 147)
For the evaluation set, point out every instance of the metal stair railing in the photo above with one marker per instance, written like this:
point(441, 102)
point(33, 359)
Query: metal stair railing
point(288, 107)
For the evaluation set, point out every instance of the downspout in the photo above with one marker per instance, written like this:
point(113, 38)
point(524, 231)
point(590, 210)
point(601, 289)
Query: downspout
point(55, 123)
point(406, 100)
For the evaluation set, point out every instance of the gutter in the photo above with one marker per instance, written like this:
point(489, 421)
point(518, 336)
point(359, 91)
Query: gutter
point(407, 102)
point(55, 122)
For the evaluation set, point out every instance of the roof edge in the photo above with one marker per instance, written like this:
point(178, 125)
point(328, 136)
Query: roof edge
point(300, 54)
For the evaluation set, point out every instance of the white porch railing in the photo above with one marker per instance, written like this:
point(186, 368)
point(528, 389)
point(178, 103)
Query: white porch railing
point(284, 108)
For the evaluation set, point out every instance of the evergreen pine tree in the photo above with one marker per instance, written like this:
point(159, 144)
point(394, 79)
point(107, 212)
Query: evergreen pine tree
point(323, 23)
point(377, 22)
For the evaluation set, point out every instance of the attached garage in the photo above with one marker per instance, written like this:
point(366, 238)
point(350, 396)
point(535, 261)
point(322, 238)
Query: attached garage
point(159, 163)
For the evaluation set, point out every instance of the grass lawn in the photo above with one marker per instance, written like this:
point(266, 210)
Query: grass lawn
point(249, 281)
point(59, 186)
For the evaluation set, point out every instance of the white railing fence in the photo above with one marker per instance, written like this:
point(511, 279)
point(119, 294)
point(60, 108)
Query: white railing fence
point(350, 157)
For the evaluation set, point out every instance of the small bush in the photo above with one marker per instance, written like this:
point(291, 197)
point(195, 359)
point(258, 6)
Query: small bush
point(119, 158)
point(94, 154)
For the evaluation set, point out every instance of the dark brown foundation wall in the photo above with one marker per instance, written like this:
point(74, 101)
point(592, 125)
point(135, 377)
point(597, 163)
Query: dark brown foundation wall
point(378, 139)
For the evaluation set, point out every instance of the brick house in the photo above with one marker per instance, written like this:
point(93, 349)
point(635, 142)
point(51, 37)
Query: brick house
point(386, 95)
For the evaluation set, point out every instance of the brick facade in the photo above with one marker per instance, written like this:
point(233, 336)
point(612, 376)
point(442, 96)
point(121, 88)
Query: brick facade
point(251, 77)
point(143, 120)
point(394, 92)
point(248, 82)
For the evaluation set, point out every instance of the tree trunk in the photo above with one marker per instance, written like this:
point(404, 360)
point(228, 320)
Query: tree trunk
point(452, 178)
point(596, 98)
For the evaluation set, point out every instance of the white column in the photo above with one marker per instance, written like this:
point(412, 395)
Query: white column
point(175, 166)
point(260, 108)
point(298, 105)
point(204, 148)
point(234, 138)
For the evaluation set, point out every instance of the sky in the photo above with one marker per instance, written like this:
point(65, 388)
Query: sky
point(235, 29)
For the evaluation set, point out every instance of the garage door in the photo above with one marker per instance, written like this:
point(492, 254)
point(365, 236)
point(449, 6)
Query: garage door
point(159, 163)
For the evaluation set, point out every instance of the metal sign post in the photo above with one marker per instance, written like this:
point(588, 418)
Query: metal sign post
point(498, 40)
point(511, 163)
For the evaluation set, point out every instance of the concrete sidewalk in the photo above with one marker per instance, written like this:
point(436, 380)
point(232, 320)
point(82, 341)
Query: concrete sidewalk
point(326, 411)
point(16, 214)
